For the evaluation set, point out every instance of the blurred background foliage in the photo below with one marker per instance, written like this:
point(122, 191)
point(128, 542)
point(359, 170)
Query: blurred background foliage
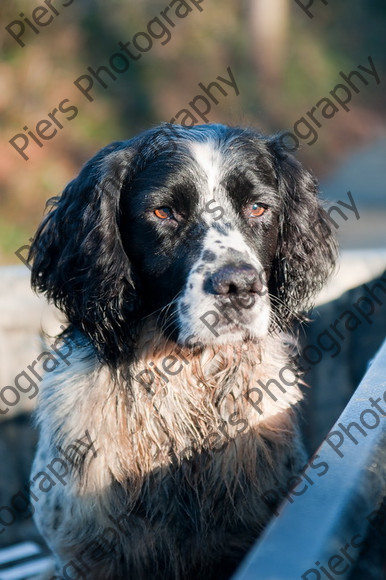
point(283, 62)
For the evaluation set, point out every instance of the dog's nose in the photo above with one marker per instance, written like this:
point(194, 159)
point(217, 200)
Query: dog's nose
point(232, 279)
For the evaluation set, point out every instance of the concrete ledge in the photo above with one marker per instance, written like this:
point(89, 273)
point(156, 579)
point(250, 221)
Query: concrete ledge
point(24, 318)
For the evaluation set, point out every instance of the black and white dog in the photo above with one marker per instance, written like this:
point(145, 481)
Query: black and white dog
point(180, 258)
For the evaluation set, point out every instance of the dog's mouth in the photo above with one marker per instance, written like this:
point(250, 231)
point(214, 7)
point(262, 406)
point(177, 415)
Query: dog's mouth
point(215, 320)
point(225, 304)
point(217, 305)
point(218, 320)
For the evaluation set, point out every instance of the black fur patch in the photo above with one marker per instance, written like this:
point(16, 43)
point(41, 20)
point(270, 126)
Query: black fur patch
point(209, 256)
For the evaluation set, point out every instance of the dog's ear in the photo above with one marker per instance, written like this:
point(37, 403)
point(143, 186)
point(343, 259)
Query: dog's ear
point(307, 248)
point(78, 258)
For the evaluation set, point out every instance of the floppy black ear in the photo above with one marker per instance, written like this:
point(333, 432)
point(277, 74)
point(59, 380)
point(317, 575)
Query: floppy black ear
point(307, 248)
point(78, 258)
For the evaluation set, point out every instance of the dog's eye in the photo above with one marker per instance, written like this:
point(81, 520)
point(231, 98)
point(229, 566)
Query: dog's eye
point(163, 213)
point(256, 210)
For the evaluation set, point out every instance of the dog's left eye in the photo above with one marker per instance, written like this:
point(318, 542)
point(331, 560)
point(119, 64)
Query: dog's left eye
point(163, 213)
point(255, 210)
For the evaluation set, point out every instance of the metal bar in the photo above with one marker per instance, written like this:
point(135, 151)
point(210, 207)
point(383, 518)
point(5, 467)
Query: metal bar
point(319, 532)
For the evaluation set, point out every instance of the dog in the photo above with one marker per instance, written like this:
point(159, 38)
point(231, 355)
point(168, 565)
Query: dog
point(180, 258)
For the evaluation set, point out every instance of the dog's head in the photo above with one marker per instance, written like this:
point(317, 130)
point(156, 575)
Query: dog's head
point(214, 231)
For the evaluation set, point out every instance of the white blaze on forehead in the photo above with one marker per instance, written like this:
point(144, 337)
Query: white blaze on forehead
point(195, 304)
point(209, 159)
point(220, 244)
point(233, 239)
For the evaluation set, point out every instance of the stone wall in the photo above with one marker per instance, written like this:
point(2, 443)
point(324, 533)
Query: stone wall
point(24, 319)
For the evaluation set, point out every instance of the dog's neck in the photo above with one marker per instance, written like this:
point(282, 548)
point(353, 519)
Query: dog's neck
point(175, 402)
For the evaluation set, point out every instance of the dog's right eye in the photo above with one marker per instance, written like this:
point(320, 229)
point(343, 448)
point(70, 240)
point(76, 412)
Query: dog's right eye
point(163, 213)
